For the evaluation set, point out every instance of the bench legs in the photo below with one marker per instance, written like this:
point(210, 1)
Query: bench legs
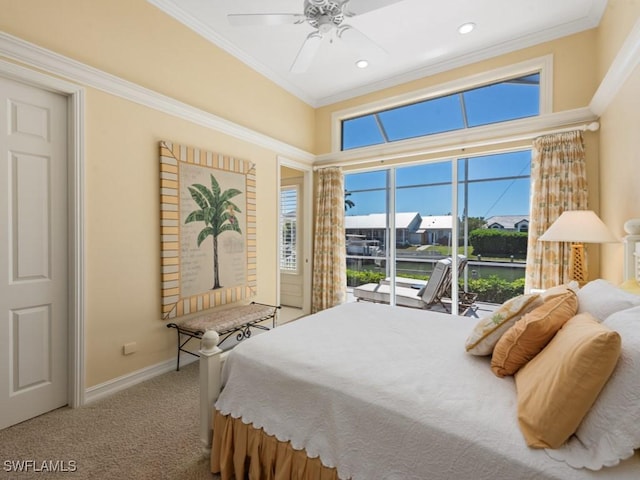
point(183, 338)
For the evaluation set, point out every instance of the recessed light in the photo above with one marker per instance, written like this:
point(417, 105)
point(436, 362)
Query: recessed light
point(362, 64)
point(466, 28)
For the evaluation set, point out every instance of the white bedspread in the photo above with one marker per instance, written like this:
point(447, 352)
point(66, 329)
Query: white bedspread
point(388, 393)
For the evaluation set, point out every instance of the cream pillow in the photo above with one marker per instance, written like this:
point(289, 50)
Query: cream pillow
point(490, 328)
point(601, 298)
point(558, 387)
point(610, 431)
point(531, 333)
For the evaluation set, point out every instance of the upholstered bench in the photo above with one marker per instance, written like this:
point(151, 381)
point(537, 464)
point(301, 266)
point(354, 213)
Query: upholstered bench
point(227, 322)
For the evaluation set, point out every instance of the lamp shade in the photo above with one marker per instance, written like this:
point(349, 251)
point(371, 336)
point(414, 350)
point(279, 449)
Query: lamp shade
point(582, 226)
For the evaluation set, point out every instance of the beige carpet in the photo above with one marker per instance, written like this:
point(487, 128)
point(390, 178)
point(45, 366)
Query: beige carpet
point(149, 431)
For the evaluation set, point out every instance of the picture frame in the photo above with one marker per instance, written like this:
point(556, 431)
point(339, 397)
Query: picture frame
point(208, 229)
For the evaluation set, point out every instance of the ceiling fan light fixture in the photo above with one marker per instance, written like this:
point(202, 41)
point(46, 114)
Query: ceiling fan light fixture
point(325, 16)
point(466, 28)
point(325, 24)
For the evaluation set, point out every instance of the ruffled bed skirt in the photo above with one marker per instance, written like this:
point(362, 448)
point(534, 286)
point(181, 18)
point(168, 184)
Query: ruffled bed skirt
point(241, 451)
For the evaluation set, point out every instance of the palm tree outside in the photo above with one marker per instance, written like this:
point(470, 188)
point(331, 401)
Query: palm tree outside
point(217, 211)
point(348, 203)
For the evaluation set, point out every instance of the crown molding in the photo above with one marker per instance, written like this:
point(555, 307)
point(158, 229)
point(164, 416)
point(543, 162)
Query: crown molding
point(53, 63)
point(627, 59)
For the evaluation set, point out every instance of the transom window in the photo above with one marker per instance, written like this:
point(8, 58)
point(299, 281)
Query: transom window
point(497, 102)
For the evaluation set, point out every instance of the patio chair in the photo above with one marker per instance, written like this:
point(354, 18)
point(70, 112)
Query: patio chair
point(466, 300)
point(426, 297)
point(418, 293)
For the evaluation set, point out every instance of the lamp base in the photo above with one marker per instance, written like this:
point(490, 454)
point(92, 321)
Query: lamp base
point(578, 265)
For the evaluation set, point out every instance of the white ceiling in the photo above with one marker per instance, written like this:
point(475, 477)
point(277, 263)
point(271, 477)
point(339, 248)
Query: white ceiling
point(420, 37)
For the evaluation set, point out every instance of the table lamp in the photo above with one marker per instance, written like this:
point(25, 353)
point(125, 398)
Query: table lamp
point(578, 227)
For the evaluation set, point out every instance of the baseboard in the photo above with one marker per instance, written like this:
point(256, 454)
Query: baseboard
point(126, 381)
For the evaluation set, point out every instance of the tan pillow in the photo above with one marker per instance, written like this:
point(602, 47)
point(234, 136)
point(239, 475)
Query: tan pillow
point(549, 293)
point(558, 387)
point(489, 329)
point(531, 333)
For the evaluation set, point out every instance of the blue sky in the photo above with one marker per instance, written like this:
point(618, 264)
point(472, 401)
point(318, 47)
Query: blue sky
point(496, 184)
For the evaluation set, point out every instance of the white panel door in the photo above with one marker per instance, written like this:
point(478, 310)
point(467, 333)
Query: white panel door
point(33, 252)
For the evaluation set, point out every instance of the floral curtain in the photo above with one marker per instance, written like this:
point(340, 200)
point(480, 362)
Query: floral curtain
point(329, 254)
point(558, 183)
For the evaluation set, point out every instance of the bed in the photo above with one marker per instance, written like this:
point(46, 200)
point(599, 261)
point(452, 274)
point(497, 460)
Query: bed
point(364, 391)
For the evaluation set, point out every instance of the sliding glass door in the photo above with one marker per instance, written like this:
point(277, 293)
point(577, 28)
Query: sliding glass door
point(493, 199)
point(367, 226)
point(424, 227)
point(402, 220)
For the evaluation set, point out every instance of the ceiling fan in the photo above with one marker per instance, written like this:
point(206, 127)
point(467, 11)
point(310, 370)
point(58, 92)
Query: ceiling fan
point(326, 17)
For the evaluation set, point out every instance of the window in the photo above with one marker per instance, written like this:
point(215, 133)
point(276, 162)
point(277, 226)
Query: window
point(409, 215)
point(288, 229)
point(464, 109)
point(492, 193)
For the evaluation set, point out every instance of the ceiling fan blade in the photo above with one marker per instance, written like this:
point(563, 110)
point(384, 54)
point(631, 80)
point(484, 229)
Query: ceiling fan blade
point(358, 7)
point(270, 19)
point(307, 52)
point(359, 42)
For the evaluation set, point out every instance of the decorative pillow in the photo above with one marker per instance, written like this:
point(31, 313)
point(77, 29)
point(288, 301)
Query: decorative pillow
point(560, 290)
point(490, 328)
point(610, 431)
point(557, 388)
point(601, 298)
point(531, 333)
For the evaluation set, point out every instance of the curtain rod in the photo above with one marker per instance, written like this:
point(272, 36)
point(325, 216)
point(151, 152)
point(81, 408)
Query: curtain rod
point(591, 127)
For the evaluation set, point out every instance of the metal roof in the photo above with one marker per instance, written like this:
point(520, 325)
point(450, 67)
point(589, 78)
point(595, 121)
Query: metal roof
point(437, 222)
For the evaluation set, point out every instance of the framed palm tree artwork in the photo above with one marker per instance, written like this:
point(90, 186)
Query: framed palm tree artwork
point(208, 229)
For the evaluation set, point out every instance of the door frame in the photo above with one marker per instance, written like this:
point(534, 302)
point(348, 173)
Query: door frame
point(75, 96)
point(307, 227)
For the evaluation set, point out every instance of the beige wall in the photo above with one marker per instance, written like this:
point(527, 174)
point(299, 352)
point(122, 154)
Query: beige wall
point(286, 172)
point(619, 162)
point(123, 225)
point(619, 18)
point(137, 42)
point(619, 135)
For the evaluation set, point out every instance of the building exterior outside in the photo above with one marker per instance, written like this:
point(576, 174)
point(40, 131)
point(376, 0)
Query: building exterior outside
point(414, 229)
point(511, 223)
point(434, 230)
point(411, 228)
